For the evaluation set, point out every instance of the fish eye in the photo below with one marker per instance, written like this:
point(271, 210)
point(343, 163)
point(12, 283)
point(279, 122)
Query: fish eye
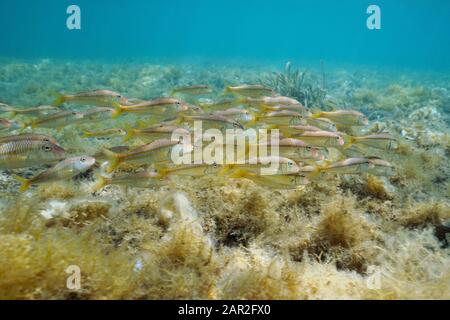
point(46, 148)
point(83, 159)
point(290, 164)
point(308, 148)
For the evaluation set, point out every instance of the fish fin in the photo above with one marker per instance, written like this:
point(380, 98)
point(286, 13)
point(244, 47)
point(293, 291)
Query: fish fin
point(118, 110)
point(114, 160)
point(173, 92)
point(26, 183)
point(226, 91)
point(60, 99)
point(316, 115)
point(101, 182)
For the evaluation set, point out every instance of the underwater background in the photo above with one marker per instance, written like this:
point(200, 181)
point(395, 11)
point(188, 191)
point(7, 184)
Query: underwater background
point(339, 237)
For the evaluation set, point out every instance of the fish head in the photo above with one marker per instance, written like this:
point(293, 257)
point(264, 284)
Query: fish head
point(289, 167)
point(83, 163)
point(314, 152)
point(53, 149)
point(363, 120)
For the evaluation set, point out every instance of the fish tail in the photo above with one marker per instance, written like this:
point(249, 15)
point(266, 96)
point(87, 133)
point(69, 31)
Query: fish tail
point(315, 173)
point(12, 114)
point(86, 134)
point(114, 160)
point(118, 110)
point(60, 99)
point(349, 142)
point(101, 183)
point(226, 91)
point(131, 133)
point(226, 169)
point(26, 183)
point(254, 120)
point(239, 174)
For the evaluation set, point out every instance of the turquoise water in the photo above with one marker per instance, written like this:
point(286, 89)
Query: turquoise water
point(413, 33)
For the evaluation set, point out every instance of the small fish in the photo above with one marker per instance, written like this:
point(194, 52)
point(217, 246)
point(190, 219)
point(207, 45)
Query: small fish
point(99, 98)
point(96, 115)
point(293, 107)
point(290, 148)
point(240, 115)
point(256, 165)
point(347, 166)
point(322, 123)
point(379, 167)
point(321, 138)
point(64, 170)
point(210, 121)
point(143, 179)
point(284, 117)
point(191, 170)
point(28, 150)
point(250, 90)
point(100, 156)
point(157, 152)
point(297, 149)
point(290, 131)
point(35, 111)
point(268, 102)
point(8, 125)
point(29, 136)
point(382, 141)
point(113, 132)
point(193, 90)
point(219, 105)
point(160, 131)
point(164, 106)
point(344, 117)
point(57, 120)
point(290, 181)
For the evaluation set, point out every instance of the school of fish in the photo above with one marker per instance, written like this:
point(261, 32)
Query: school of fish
point(305, 142)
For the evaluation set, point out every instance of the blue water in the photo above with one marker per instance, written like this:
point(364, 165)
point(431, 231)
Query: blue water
point(414, 33)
